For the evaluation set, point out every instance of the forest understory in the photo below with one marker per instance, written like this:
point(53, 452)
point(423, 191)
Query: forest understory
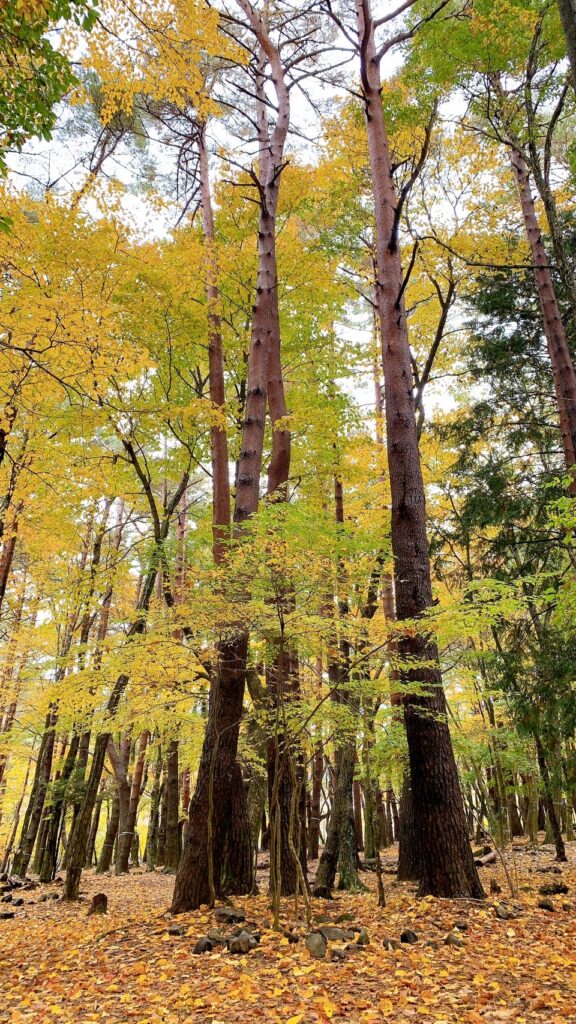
point(57, 963)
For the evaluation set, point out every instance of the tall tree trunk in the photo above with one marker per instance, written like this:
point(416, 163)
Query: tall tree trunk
point(448, 869)
point(357, 794)
point(409, 852)
point(107, 851)
point(568, 18)
point(6, 559)
point(120, 761)
point(127, 836)
point(199, 876)
point(560, 359)
point(172, 853)
point(315, 802)
point(37, 797)
point(554, 823)
point(50, 853)
point(221, 509)
point(340, 852)
point(155, 801)
point(91, 846)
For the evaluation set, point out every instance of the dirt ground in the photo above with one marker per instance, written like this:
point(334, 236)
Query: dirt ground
point(59, 964)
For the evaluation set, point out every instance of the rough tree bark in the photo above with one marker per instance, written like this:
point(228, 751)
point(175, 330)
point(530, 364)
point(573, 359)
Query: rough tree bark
point(563, 372)
point(199, 878)
point(448, 869)
point(172, 851)
point(127, 835)
point(107, 851)
point(568, 18)
point(120, 761)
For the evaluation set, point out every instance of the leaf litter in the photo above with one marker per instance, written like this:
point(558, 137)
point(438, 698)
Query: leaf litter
point(58, 964)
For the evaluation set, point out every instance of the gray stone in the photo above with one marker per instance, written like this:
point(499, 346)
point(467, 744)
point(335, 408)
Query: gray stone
point(391, 943)
point(363, 939)
point(333, 934)
point(461, 924)
point(453, 939)
point(502, 912)
point(216, 937)
point(338, 953)
point(203, 946)
point(229, 915)
point(344, 917)
point(18, 902)
point(242, 943)
point(353, 947)
point(5, 915)
point(291, 937)
point(408, 936)
point(431, 944)
point(316, 945)
point(7, 898)
point(176, 929)
point(546, 904)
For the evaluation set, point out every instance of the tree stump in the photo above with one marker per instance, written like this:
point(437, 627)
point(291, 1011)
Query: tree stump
point(99, 904)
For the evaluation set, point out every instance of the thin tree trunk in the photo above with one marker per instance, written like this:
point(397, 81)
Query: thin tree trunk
point(155, 800)
point(127, 836)
point(315, 801)
point(37, 797)
point(560, 359)
point(172, 854)
point(49, 859)
point(340, 852)
point(107, 851)
point(221, 510)
point(91, 846)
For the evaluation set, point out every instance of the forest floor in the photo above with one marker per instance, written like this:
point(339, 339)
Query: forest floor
point(59, 964)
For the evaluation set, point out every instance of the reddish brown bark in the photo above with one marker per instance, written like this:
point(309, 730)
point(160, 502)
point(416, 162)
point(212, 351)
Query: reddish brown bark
point(199, 878)
point(449, 868)
point(221, 510)
point(563, 372)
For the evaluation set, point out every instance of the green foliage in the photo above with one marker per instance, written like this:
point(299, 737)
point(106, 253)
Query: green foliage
point(34, 75)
